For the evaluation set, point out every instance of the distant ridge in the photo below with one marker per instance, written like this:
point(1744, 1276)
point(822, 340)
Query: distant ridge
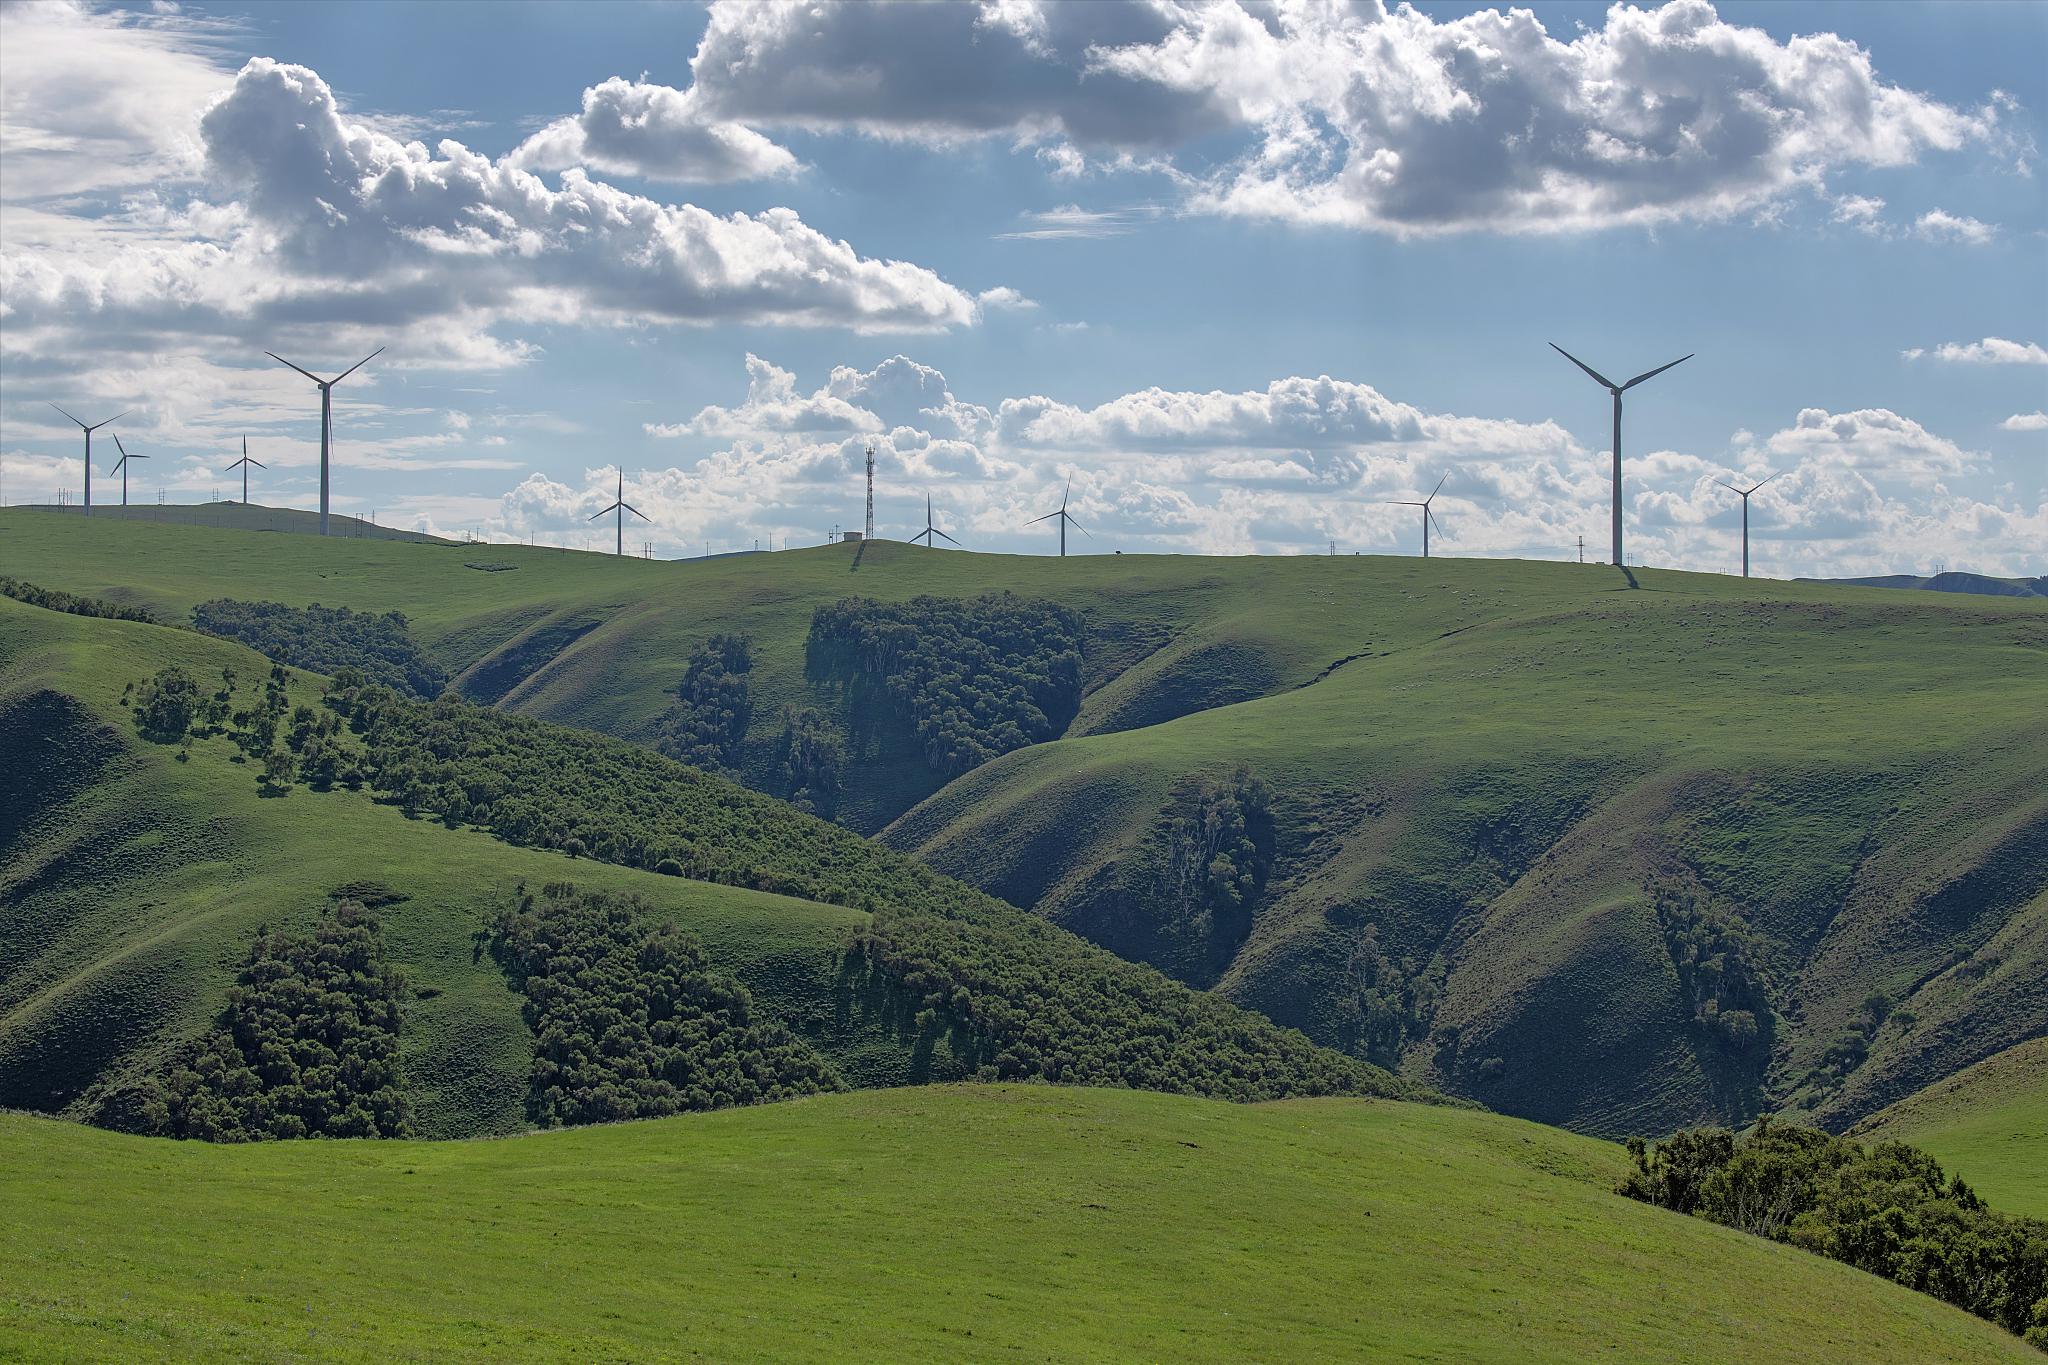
point(236, 516)
point(1953, 581)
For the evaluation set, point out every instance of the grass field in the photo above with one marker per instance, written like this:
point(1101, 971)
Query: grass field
point(973, 1223)
point(1485, 766)
point(1989, 1124)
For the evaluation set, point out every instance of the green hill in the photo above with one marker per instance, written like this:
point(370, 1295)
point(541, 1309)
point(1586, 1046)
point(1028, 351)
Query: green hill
point(963, 1223)
point(238, 516)
point(1619, 857)
point(1989, 1123)
point(134, 877)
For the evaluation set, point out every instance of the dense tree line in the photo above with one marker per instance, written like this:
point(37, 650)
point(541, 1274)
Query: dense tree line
point(327, 640)
point(307, 1047)
point(1027, 999)
point(55, 599)
point(1888, 1209)
point(1386, 1001)
point(706, 723)
point(628, 1020)
point(969, 680)
point(810, 757)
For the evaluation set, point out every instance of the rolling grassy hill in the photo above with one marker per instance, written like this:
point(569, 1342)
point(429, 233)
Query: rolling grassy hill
point(1535, 830)
point(133, 881)
point(964, 1223)
point(1988, 1123)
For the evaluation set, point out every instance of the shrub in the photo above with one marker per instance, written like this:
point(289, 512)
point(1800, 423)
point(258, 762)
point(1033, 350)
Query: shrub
point(55, 599)
point(165, 705)
point(707, 722)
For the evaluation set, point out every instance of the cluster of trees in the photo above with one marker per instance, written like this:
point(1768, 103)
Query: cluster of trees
point(628, 1020)
point(707, 722)
point(1888, 1209)
point(970, 680)
point(55, 599)
point(1025, 999)
point(307, 1047)
point(1183, 900)
point(327, 640)
point(810, 755)
point(165, 705)
point(1386, 1002)
point(1719, 967)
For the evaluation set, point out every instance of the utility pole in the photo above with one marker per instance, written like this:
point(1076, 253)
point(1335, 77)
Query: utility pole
point(870, 534)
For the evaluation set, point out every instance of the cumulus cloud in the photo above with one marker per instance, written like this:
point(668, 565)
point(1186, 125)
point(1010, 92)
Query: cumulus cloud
point(773, 405)
point(1872, 441)
point(1989, 351)
point(1356, 115)
point(1939, 225)
point(656, 131)
point(2026, 421)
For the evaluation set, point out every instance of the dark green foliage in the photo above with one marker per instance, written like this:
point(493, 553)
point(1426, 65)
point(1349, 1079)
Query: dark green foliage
point(628, 1021)
point(1025, 998)
point(1390, 1002)
point(307, 1047)
point(707, 722)
point(1183, 900)
point(1887, 1209)
point(326, 640)
point(970, 680)
point(56, 600)
point(1719, 967)
point(165, 705)
point(809, 757)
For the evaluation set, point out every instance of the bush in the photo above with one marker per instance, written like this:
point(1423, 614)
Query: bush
point(629, 1022)
point(307, 1047)
point(1887, 1209)
point(165, 705)
point(810, 757)
point(327, 640)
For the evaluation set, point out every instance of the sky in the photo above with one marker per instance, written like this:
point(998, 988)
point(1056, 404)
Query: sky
point(1244, 274)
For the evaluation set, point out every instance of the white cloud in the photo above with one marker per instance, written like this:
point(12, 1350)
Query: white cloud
point(772, 405)
point(1939, 225)
point(1006, 298)
point(2026, 421)
point(1872, 441)
point(655, 131)
point(1357, 116)
point(1989, 351)
point(1072, 221)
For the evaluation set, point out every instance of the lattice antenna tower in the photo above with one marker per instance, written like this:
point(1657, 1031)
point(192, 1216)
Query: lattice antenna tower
point(870, 533)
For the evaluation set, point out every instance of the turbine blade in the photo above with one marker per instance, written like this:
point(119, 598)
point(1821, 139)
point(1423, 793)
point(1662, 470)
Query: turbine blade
point(1047, 517)
point(1082, 529)
point(123, 449)
point(1730, 487)
point(259, 464)
point(72, 418)
point(111, 420)
point(640, 514)
point(1598, 377)
point(1403, 502)
point(1779, 475)
point(1652, 374)
point(282, 361)
point(358, 365)
point(943, 536)
point(605, 513)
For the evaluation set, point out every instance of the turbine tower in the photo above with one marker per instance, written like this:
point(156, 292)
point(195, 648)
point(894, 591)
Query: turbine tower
point(121, 466)
point(931, 529)
point(1743, 493)
point(1617, 390)
point(1064, 517)
point(243, 464)
point(1427, 515)
point(869, 533)
point(89, 430)
point(326, 416)
point(621, 507)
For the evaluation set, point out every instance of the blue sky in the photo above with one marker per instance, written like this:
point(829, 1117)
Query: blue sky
point(1244, 275)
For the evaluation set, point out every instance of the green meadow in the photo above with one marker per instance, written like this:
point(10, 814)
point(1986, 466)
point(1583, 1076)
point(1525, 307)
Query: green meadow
point(1988, 1123)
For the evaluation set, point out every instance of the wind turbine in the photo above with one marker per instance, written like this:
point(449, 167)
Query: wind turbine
point(121, 466)
point(1064, 517)
point(621, 507)
point(1617, 390)
point(1744, 493)
point(931, 530)
point(89, 430)
point(326, 415)
point(1427, 515)
point(243, 465)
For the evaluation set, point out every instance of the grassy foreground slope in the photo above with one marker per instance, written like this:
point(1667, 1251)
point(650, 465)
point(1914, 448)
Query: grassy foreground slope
point(1988, 1123)
point(959, 1223)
